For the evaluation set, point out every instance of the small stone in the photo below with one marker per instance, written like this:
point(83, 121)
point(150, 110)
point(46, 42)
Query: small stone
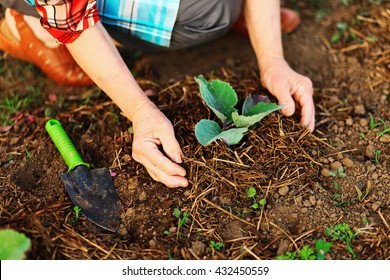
point(363, 122)
point(335, 165)
point(284, 190)
point(349, 122)
point(385, 138)
point(172, 230)
point(369, 152)
point(325, 172)
point(374, 176)
point(347, 162)
point(198, 248)
point(375, 206)
point(312, 200)
point(142, 196)
point(152, 243)
point(126, 158)
point(360, 110)
point(306, 203)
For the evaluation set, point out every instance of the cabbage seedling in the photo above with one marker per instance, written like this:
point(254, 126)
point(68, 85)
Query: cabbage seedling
point(221, 98)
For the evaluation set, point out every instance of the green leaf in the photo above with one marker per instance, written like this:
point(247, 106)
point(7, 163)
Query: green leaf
point(13, 245)
point(207, 131)
point(176, 213)
point(251, 192)
point(219, 96)
point(257, 104)
point(246, 121)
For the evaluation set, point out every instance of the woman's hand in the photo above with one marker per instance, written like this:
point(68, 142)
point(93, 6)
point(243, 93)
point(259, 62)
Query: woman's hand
point(152, 129)
point(289, 86)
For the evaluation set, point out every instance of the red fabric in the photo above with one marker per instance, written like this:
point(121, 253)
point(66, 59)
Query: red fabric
point(65, 20)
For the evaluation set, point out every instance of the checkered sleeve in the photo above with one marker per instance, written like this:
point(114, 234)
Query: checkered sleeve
point(66, 19)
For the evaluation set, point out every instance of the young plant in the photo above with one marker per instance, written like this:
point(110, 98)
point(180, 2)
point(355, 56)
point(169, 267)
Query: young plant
point(251, 192)
point(307, 253)
point(343, 232)
point(77, 212)
point(376, 156)
point(221, 98)
point(13, 245)
point(183, 218)
point(216, 245)
point(339, 173)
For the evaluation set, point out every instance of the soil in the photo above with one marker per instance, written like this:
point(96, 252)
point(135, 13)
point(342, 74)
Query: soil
point(288, 166)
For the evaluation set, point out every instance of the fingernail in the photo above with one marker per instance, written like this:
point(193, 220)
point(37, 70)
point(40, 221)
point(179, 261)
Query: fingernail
point(177, 158)
point(288, 110)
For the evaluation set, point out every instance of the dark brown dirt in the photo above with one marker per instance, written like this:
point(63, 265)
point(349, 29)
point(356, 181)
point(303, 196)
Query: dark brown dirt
point(289, 167)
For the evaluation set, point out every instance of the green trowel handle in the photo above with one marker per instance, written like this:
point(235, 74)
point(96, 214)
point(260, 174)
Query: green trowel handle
point(64, 145)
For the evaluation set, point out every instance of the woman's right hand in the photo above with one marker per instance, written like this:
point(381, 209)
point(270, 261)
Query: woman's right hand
point(152, 129)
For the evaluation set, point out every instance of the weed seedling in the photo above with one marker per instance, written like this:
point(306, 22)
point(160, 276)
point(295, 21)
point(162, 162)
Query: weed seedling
point(376, 158)
point(29, 155)
point(77, 212)
point(335, 174)
point(216, 245)
point(343, 232)
point(251, 192)
point(183, 218)
point(307, 253)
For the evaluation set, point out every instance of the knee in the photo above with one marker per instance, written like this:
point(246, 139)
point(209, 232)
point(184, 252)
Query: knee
point(200, 21)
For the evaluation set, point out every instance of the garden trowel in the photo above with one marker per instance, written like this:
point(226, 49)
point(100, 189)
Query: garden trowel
point(91, 190)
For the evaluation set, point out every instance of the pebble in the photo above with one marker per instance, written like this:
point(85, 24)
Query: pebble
point(347, 162)
point(369, 152)
point(142, 196)
point(312, 200)
point(198, 248)
point(284, 190)
point(349, 122)
point(306, 203)
point(374, 176)
point(335, 165)
point(385, 138)
point(325, 172)
point(363, 122)
point(360, 110)
point(375, 206)
point(172, 230)
point(152, 243)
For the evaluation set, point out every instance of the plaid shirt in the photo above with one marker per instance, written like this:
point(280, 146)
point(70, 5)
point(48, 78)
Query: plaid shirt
point(149, 20)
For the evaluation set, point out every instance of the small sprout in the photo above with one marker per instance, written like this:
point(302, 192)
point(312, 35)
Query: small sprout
point(343, 232)
point(216, 245)
point(183, 219)
point(77, 212)
point(322, 248)
point(339, 173)
point(376, 156)
point(362, 135)
point(29, 155)
point(251, 193)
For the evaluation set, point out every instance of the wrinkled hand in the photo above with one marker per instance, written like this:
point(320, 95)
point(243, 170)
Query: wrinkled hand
point(152, 129)
point(287, 85)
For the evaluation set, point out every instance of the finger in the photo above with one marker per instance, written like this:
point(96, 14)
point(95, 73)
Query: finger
point(149, 92)
point(163, 170)
point(282, 93)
